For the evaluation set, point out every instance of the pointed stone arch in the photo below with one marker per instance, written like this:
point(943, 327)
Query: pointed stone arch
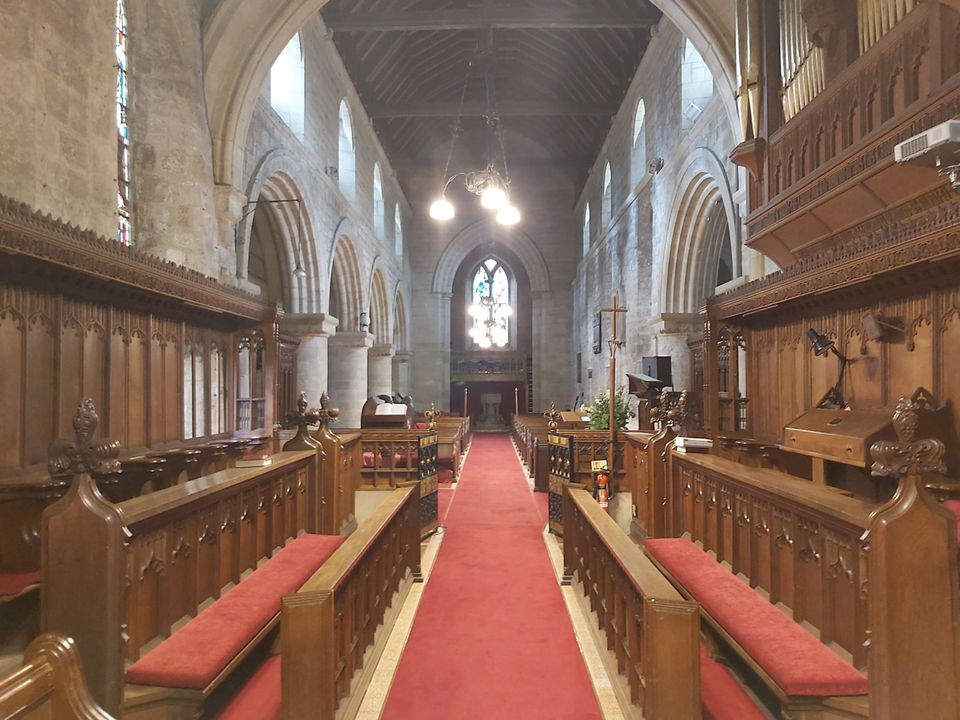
point(705, 215)
point(482, 231)
point(400, 341)
point(346, 299)
point(380, 320)
point(276, 179)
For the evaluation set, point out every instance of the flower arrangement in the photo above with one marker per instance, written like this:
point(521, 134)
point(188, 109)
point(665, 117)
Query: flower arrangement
point(599, 411)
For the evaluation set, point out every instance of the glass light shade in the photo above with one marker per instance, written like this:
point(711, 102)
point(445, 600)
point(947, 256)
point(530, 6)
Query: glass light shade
point(474, 311)
point(442, 209)
point(501, 344)
point(484, 342)
point(508, 215)
point(493, 197)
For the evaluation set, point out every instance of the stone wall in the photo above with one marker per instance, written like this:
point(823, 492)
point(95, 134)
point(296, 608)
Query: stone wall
point(629, 257)
point(58, 137)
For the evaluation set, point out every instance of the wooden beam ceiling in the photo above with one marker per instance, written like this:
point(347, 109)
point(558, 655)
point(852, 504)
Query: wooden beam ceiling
point(509, 108)
point(500, 18)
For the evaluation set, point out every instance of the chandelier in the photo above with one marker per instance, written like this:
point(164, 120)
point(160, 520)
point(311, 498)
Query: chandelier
point(489, 184)
point(488, 311)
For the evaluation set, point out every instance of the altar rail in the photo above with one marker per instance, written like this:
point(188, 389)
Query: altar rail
point(117, 576)
point(797, 541)
point(327, 626)
point(653, 631)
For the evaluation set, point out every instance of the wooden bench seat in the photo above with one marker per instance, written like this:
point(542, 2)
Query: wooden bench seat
point(788, 658)
point(15, 584)
point(195, 656)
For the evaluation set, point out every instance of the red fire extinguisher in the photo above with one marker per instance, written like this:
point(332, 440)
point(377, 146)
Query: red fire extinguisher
point(602, 491)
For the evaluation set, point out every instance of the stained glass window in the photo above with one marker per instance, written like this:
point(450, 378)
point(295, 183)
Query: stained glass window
point(490, 307)
point(123, 131)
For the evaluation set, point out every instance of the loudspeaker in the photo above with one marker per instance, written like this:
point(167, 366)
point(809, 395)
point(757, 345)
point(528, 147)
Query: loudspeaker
point(658, 367)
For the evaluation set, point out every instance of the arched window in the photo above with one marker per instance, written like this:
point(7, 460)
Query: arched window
point(397, 231)
point(639, 155)
point(606, 202)
point(347, 166)
point(124, 223)
point(586, 228)
point(286, 86)
point(378, 211)
point(490, 305)
point(696, 85)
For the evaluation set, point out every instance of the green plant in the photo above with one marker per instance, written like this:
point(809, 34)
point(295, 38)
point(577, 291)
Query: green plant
point(599, 411)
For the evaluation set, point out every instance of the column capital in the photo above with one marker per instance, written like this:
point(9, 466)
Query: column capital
point(309, 325)
point(676, 323)
point(402, 356)
point(229, 203)
point(382, 350)
point(351, 340)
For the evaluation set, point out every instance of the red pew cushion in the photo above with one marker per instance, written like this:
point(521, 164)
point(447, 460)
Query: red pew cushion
point(798, 662)
point(194, 654)
point(723, 698)
point(16, 583)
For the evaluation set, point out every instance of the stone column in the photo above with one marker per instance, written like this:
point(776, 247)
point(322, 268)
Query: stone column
point(673, 330)
point(348, 374)
point(431, 344)
point(314, 332)
point(401, 371)
point(380, 370)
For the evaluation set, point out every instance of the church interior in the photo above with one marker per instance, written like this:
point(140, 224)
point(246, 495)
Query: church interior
point(491, 359)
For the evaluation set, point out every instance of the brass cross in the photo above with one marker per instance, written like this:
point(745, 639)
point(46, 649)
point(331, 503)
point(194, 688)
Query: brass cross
point(615, 309)
point(553, 417)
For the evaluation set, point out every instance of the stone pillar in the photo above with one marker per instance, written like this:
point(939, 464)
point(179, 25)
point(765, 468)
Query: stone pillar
point(314, 332)
point(673, 330)
point(348, 374)
point(431, 344)
point(380, 370)
point(230, 204)
point(401, 371)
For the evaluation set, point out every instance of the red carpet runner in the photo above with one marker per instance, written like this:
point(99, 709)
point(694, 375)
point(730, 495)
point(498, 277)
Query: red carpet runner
point(492, 639)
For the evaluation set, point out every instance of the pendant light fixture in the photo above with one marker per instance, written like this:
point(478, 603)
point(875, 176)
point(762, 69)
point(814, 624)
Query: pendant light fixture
point(492, 187)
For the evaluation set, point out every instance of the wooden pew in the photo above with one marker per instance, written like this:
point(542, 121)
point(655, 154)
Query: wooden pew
point(391, 457)
point(118, 576)
point(913, 594)
point(569, 455)
point(797, 541)
point(645, 464)
point(50, 684)
point(329, 626)
point(653, 631)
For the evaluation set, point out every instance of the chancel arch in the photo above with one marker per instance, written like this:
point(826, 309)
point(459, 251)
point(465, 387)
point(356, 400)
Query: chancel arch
point(491, 327)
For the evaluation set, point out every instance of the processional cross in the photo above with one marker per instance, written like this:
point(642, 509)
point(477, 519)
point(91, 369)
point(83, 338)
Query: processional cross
point(614, 343)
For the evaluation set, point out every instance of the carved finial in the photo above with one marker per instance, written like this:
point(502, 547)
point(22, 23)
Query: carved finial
point(84, 455)
point(302, 403)
point(431, 415)
point(327, 414)
point(302, 418)
point(908, 456)
point(553, 417)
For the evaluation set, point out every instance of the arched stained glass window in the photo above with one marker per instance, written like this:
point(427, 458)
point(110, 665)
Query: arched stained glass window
point(490, 306)
point(124, 223)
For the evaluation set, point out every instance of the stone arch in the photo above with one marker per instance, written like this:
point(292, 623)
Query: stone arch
point(379, 310)
point(483, 231)
point(242, 38)
point(272, 182)
point(400, 341)
point(705, 213)
point(345, 300)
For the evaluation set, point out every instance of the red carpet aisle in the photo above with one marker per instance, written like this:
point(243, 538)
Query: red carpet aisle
point(492, 639)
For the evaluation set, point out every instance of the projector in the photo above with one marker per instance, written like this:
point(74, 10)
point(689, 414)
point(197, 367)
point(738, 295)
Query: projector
point(937, 147)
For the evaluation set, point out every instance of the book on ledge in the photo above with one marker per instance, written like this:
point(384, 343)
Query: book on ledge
point(692, 444)
point(254, 462)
